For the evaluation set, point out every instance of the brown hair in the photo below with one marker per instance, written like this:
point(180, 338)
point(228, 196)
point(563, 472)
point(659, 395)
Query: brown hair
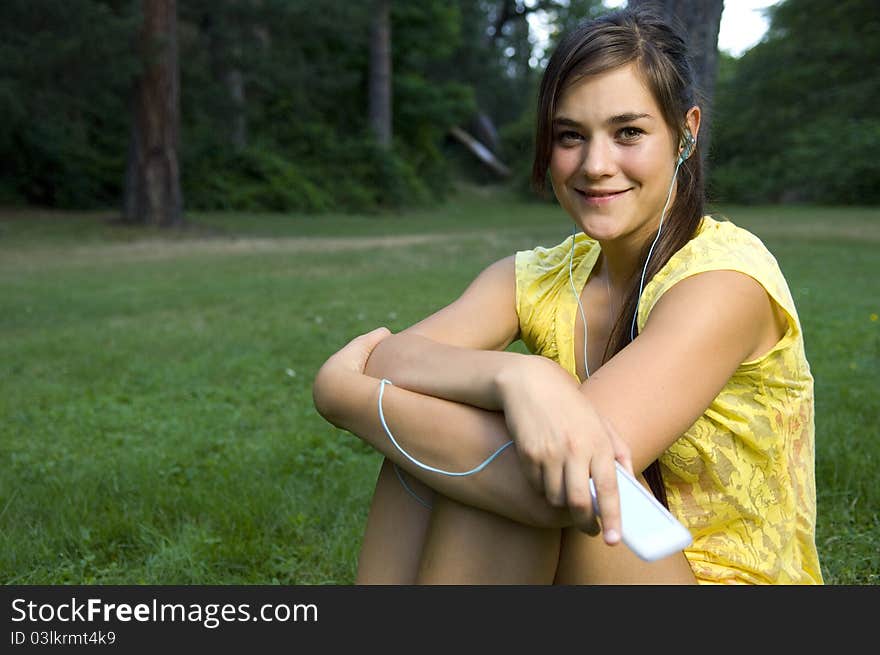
point(660, 54)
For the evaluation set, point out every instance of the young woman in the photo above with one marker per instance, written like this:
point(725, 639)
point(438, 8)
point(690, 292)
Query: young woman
point(661, 338)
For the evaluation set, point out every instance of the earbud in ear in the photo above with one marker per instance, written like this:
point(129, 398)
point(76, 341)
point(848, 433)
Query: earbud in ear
point(687, 146)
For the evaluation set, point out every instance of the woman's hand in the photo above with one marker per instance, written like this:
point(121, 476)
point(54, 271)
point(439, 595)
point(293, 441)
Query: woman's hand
point(353, 356)
point(351, 359)
point(562, 441)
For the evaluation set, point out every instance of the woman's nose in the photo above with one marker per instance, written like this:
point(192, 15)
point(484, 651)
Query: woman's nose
point(598, 158)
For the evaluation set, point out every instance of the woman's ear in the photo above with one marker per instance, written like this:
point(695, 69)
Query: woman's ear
point(692, 121)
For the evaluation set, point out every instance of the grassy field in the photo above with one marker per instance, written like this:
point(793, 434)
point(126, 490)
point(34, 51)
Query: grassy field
point(156, 423)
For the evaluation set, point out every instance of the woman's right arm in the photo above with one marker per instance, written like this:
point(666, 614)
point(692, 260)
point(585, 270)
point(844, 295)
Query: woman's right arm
point(458, 352)
point(443, 401)
point(448, 435)
point(451, 377)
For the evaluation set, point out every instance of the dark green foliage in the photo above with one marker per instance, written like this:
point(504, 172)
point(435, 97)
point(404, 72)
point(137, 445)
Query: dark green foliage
point(65, 73)
point(518, 147)
point(252, 179)
point(305, 72)
point(273, 103)
point(797, 116)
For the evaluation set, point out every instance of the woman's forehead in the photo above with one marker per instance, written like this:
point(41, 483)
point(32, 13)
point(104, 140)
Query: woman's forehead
point(618, 92)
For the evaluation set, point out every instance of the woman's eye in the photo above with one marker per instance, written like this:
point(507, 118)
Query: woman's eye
point(630, 133)
point(568, 137)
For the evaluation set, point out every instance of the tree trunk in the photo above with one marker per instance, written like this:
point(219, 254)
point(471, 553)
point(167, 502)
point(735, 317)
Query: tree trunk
point(152, 182)
point(483, 153)
point(700, 21)
point(380, 73)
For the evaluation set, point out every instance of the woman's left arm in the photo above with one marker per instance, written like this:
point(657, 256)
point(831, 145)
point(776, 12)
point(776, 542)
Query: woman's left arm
point(697, 335)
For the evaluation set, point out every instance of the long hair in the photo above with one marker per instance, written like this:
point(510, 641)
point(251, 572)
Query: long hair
point(640, 37)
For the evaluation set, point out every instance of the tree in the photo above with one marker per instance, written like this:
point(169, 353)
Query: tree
point(797, 113)
point(700, 21)
point(380, 73)
point(152, 182)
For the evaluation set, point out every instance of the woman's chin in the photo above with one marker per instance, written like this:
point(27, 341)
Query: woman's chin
point(597, 230)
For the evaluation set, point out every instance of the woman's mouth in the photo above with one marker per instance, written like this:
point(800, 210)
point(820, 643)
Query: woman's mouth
point(600, 196)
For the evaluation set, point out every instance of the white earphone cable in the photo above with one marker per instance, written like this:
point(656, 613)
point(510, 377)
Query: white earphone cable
point(632, 328)
point(580, 306)
point(421, 465)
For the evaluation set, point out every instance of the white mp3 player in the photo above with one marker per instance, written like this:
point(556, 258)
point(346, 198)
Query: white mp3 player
point(647, 527)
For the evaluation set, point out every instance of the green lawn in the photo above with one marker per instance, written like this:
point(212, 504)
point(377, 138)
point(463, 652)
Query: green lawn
point(156, 423)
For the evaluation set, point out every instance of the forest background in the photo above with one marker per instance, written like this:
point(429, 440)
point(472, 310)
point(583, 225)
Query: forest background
point(277, 105)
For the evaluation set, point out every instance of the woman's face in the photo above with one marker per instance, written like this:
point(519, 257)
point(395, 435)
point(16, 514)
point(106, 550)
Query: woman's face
point(613, 156)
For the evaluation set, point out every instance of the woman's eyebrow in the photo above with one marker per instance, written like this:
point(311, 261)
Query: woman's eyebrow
point(562, 120)
point(626, 117)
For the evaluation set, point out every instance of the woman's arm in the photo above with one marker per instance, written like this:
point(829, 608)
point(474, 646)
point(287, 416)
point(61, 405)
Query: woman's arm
point(449, 356)
point(458, 352)
point(448, 435)
point(697, 335)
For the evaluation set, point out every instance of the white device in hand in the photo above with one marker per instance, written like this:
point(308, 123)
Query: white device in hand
point(647, 528)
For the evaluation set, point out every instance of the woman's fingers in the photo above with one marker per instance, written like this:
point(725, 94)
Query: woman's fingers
point(580, 502)
point(554, 484)
point(561, 440)
point(622, 452)
point(355, 353)
point(365, 343)
point(604, 475)
point(373, 337)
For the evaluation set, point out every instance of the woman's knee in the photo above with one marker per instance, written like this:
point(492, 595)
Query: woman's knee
point(468, 545)
point(585, 560)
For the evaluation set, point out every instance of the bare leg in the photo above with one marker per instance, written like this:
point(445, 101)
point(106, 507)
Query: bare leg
point(406, 543)
point(395, 533)
point(466, 545)
point(586, 560)
point(589, 560)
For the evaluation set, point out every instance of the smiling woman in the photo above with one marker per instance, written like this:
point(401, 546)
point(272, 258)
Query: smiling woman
point(611, 144)
point(685, 364)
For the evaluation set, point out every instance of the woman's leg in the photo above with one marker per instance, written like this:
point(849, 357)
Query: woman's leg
point(586, 560)
point(589, 560)
point(395, 533)
point(466, 545)
point(452, 543)
point(406, 543)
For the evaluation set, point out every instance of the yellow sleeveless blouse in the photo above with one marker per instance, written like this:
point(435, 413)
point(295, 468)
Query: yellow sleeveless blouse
point(741, 478)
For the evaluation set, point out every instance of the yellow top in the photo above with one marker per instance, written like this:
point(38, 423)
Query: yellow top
point(741, 478)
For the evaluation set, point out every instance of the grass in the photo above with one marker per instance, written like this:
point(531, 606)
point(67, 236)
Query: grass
point(156, 424)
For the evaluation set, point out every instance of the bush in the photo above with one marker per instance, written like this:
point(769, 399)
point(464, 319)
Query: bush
point(360, 177)
point(822, 162)
point(828, 162)
point(253, 179)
